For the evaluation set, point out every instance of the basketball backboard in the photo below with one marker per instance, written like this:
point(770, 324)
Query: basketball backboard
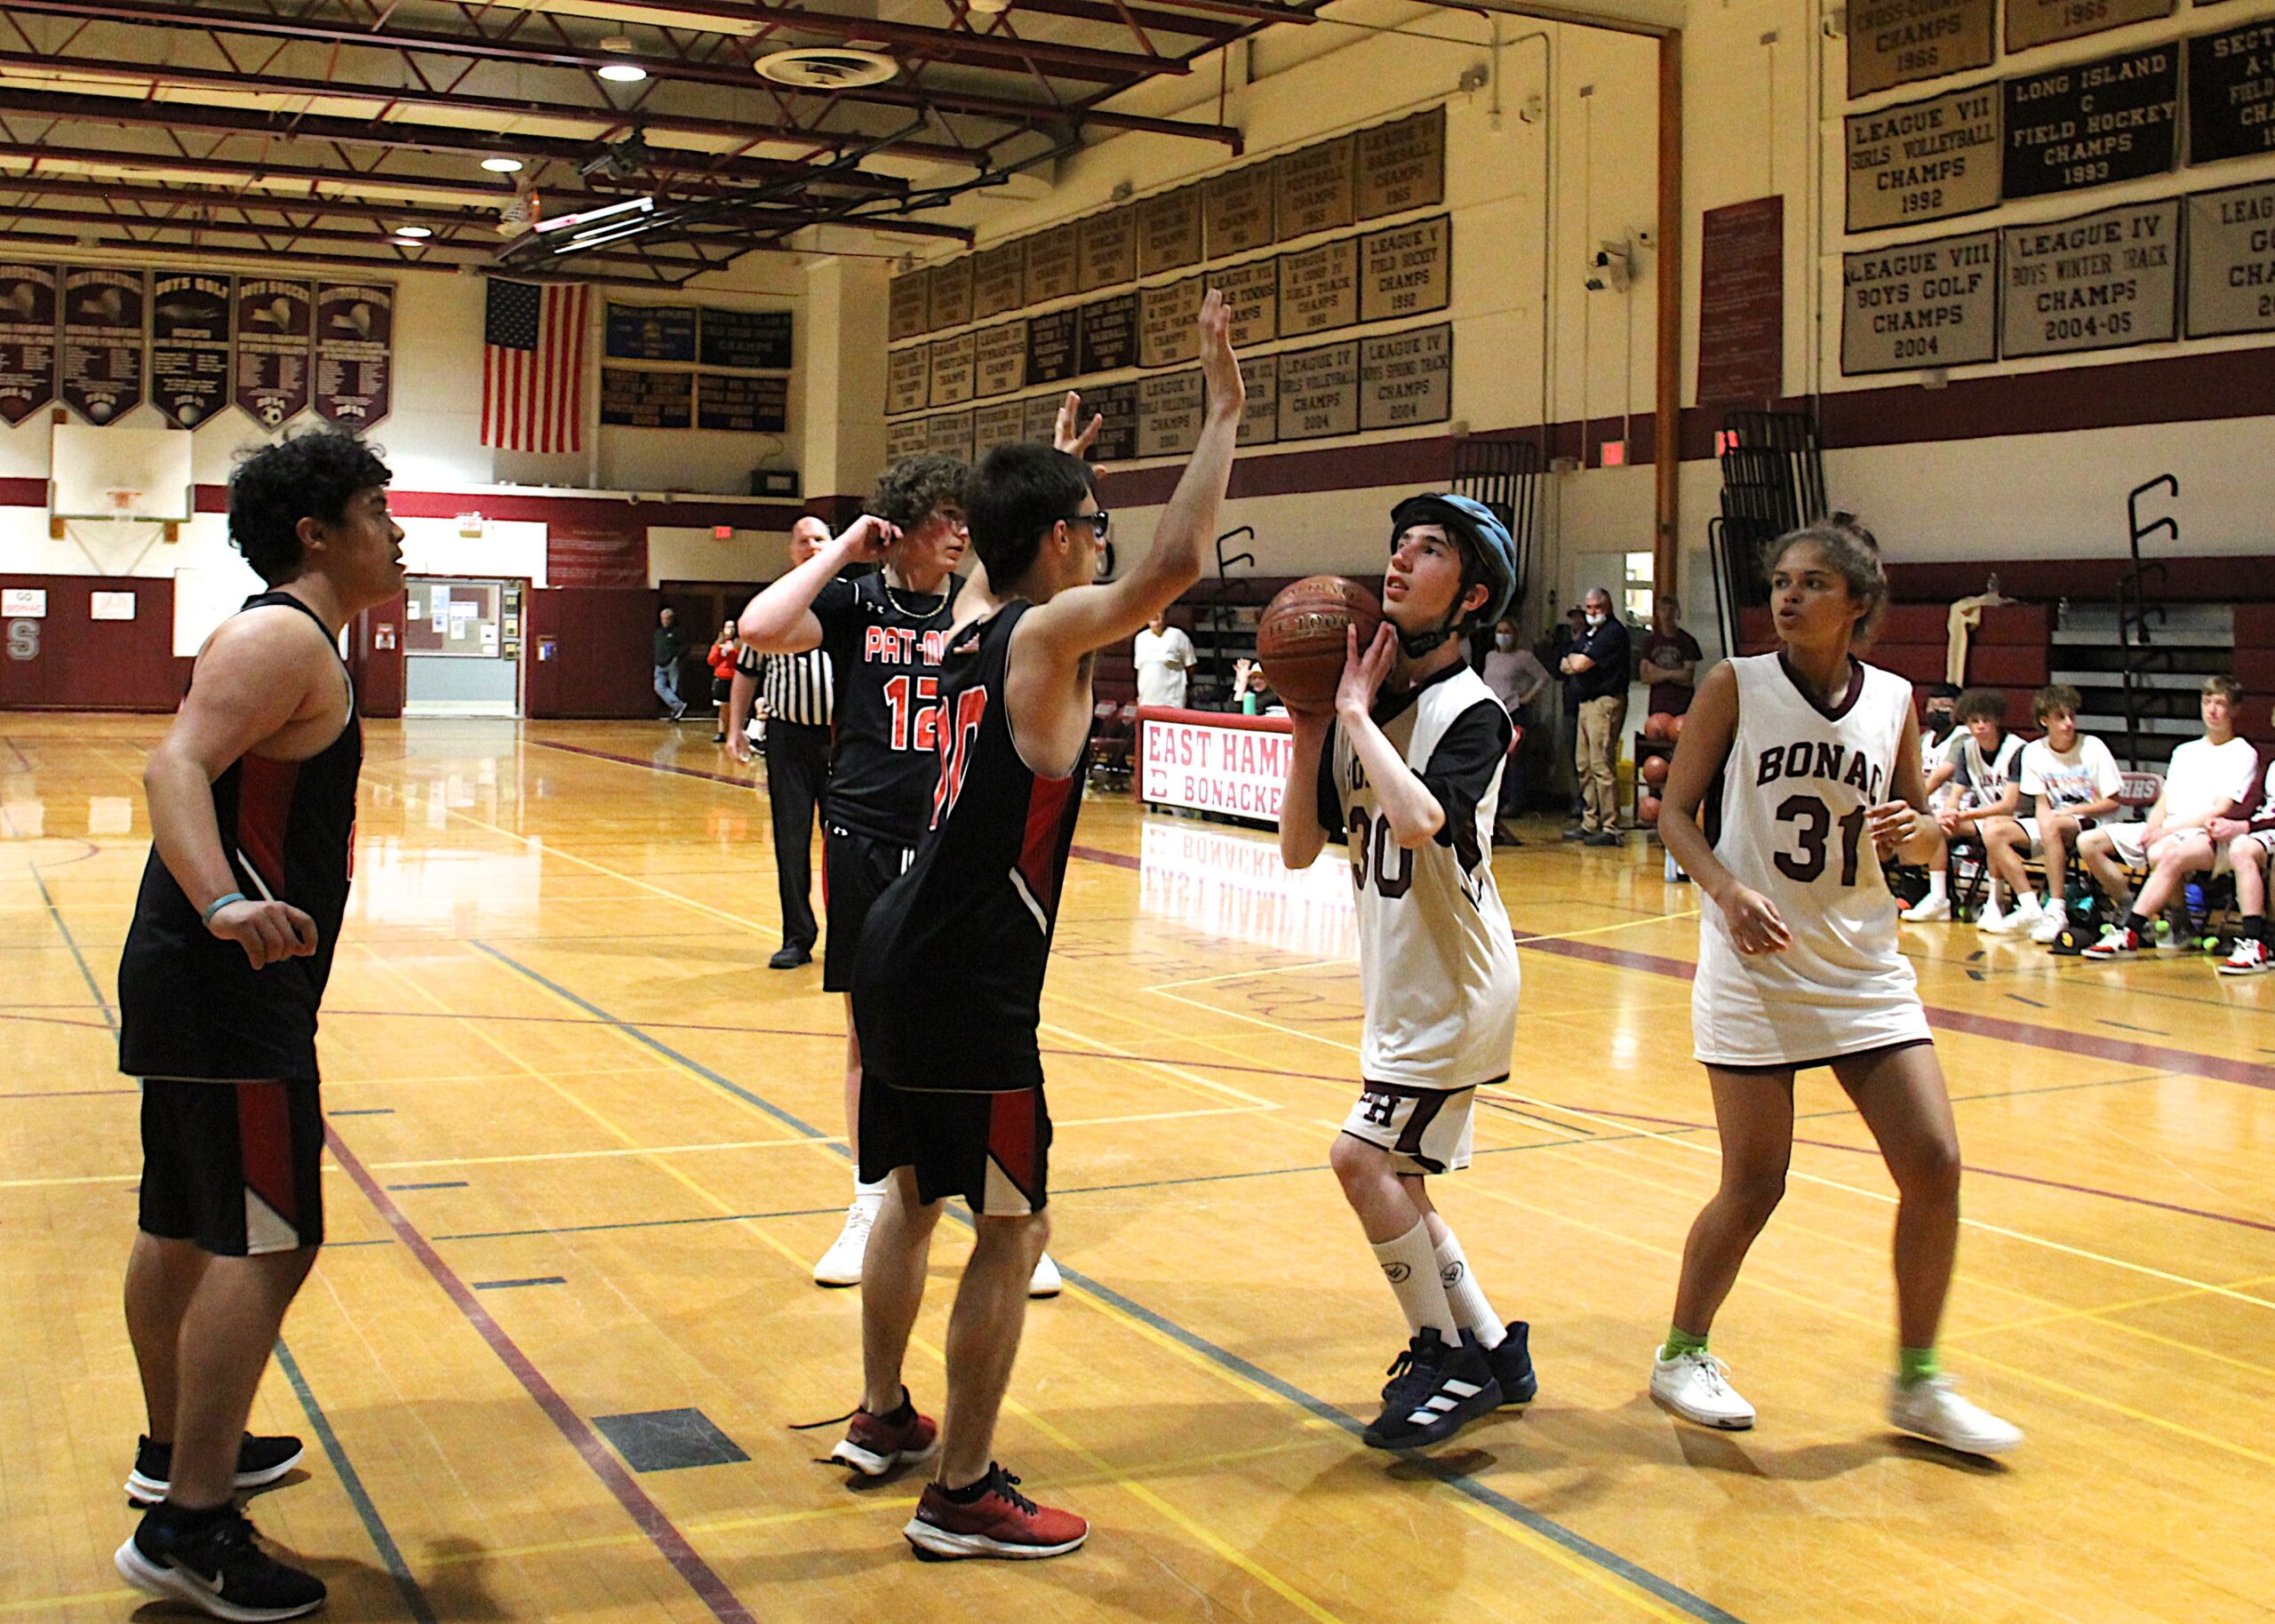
point(118, 473)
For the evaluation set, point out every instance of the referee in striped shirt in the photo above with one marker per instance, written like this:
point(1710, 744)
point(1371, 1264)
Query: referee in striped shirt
point(797, 690)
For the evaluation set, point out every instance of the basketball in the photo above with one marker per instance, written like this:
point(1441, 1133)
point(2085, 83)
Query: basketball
point(1655, 770)
point(1647, 809)
point(1660, 726)
point(1300, 637)
point(1674, 727)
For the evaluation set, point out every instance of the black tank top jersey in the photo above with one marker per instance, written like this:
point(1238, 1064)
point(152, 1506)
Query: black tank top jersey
point(948, 993)
point(190, 1005)
point(885, 648)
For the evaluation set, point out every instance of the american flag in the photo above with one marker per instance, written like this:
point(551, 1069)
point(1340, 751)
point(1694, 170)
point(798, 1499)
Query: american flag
point(533, 367)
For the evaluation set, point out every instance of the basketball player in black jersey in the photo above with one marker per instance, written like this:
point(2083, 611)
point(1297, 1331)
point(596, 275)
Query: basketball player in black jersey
point(253, 817)
point(947, 989)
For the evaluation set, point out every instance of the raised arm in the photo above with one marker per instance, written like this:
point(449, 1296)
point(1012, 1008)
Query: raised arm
point(1085, 618)
point(780, 620)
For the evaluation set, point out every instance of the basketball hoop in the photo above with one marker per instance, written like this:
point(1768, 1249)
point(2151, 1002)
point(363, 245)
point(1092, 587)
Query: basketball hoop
point(122, 499)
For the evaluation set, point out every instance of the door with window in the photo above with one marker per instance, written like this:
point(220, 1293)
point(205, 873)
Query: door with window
point(462, 647)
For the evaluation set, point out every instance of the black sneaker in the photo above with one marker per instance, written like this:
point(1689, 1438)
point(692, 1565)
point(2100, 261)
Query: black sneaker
point(260, 1461)
point(1512, 1364)
point(1434, 1391)
point(1576, 832)
point(214, 1565)
point(789, 956)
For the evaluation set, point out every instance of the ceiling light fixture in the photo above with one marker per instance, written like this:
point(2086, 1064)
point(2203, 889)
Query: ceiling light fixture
point(622, 73)
point(589, 217)
point(414, 232)
point(502, 166)
point(827, 67)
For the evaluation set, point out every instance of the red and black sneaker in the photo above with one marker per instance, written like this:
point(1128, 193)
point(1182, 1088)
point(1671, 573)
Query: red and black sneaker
point(991, 1518)
point(2115, 943)
point(874, 1444)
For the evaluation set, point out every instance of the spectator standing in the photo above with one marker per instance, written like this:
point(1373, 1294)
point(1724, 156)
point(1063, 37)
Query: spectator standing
point(1517, 678)
point(1596, 672)
point(1670, 658)
point(721, 661)
point(670, 644)
point(1164, 656)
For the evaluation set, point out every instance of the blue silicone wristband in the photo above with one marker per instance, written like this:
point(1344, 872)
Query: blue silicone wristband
point(217, 904)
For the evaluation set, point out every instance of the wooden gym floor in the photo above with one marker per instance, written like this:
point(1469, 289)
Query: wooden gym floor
point(584, 1159)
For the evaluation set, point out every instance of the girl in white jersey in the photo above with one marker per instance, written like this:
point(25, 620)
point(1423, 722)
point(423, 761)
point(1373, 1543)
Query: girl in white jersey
point(1806, 763)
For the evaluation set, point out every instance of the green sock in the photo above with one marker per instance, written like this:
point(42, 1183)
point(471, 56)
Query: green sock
point(1916, 1365)
point(1681, 1342)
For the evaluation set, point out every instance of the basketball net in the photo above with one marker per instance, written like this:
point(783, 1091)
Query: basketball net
point(115, 540)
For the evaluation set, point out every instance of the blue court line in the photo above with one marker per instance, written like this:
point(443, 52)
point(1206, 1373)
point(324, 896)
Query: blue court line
point(110, 1015)
point(535, 1280)
point(414, 1599)
point(437, 1184)
point(1493, 1500)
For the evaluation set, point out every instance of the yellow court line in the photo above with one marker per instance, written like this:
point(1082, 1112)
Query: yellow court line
point(1598, 930)
point(42, 1604)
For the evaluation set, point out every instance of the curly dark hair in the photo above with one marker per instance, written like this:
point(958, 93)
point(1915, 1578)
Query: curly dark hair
point(1849, 551)
point(311, 475)
point(914, 487)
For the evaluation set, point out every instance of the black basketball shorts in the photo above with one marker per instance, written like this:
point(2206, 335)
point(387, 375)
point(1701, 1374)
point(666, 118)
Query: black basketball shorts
point(855, 871)
point(993, 1150)
point(236, 1168)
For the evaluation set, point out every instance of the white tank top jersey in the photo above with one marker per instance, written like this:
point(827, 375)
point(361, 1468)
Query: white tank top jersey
point(1794, 797)
point(1437, 965)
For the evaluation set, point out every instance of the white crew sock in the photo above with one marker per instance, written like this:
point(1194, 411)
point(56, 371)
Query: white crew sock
point(1466, 1296)
point(1411, 1267)
point(1937, 878)
point(871, 1196)
point(1991, 896)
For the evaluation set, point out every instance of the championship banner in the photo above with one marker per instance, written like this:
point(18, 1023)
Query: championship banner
point(1168, 232)
point(1105, 250)
point(28, 339)
point(2232, 261)
point(742, 404)
point(276, 348)
point(189, 346)
point(103, 312)
point(908, 307)
point(2231, 93)
point(1742, 302)
point(1923, 160)
point(951, 364)
point(950, 295)
point(1408, 270)
point(1402, 165)
point(2093, 122)
point(631, 398)
point(1407, 378)
point(999, 281)
point(1933, 304)
point(355, 352)
point(1236, 211)
point(748, 340)
point(1319, 393)
point(2093, 283)
point(2043, 22)
point(1900, 41)
point(652, 333)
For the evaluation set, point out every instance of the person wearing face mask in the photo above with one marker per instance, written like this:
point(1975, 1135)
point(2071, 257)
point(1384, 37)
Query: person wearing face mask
point(1517, 678)
point(1939, 719)
point(1596, 672)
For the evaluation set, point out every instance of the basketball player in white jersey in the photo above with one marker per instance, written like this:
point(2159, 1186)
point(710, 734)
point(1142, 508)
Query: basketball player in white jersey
point(1408, 766)
point(1806, 764)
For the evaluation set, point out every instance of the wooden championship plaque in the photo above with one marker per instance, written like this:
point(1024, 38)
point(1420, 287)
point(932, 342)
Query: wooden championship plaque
point(1742, 302)
point(999, 356)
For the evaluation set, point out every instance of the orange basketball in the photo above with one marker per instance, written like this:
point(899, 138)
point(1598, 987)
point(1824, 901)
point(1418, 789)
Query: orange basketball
point(1658, 726)
point(1674, 727)
point(1300, 637)
point(1655, 770)
point(1647, 809)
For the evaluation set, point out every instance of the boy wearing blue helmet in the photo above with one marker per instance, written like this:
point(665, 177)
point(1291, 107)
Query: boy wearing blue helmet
point(1409, 769)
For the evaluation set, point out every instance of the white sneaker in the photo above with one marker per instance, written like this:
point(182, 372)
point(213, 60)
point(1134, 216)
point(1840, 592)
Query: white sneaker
point(1696, 1387)
point(1990, 922)
point(1928, 911)
point(1044, 1281)
point(2051, 923)
point(2250, 958)
point(1932, 1410)
point(841, 1265)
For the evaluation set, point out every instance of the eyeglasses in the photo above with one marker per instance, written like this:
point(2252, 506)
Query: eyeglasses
point(1100, 522)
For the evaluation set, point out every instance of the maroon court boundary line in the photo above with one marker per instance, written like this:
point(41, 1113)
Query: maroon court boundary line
point(646, 1515)
point(2118, 1050)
